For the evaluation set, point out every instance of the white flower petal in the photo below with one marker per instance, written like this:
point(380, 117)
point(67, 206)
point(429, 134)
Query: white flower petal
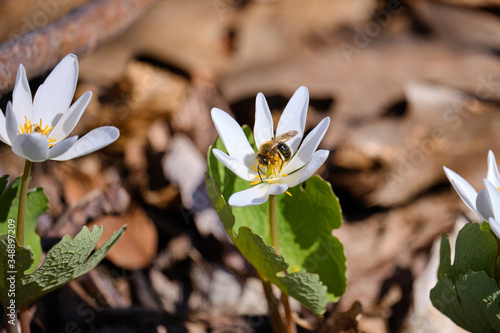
point(493, 175)
point(22, 101)
point(308, 170)
point(92, 141)
point(70, 118)
point(307, 147)
point(253, 196)
point(263, 129)
point(233, 137)
point(494, 196)
point(33, 147)
point(4, 137)
point(62, 147)
point(466, 192)
point(54, 96)
point(277, 189)
point(483, 206)
point(236, 166)
point(294, 117)
point(495, 226)
point(11, 126)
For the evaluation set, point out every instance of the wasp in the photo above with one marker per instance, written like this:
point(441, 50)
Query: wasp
point(274, 153)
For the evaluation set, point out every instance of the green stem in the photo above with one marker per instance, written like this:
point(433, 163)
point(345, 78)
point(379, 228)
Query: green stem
point(273, 226)
point(23, 198)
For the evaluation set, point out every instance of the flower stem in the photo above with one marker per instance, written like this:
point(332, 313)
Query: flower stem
point(273, 306)
point(24, 320)
point(23, 198)
point(273, 227)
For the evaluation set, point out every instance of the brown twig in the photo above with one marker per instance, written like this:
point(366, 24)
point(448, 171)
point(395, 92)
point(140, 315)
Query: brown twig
point(78, 32)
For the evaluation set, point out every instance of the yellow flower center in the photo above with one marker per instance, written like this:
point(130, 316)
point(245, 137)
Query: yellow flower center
point(271, 176)
point(29, 128)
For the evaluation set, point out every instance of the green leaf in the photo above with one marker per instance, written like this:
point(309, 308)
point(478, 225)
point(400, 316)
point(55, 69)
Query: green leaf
point(37, 205)
point(444, 257)
point(305, 223)
point(66, 261)
point(475, 250)
point(466, 291)
point(3, 184)
point(472, 302)
point(303, 286)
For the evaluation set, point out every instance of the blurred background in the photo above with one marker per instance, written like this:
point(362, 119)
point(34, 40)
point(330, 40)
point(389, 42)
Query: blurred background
point(410, 86)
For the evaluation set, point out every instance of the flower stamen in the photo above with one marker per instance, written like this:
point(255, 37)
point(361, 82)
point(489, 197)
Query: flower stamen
point(29, 128)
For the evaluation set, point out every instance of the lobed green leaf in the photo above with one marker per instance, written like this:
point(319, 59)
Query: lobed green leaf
point(303, 286)
point(472, 301)
point(66, 261)
point(466, 290)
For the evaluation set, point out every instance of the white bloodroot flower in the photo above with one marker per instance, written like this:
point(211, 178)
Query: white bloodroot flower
point(281, 172)
point(486, 203)
point(37, 129)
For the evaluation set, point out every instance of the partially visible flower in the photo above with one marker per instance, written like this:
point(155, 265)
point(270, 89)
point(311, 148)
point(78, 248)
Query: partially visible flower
point(486, 203)
point(494, 200)
point(37, 129)
point(275, 179)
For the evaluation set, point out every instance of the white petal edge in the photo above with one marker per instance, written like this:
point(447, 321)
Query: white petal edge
point(233, 137)
point(71, 117)
point(11, 124)
point(294, 117)
point(494, 196)
point(263, 128)
point(308, 147)
point(253, 196)
point(89, 143)
point(54, 96)
point(495, 226)
point(22, 101)
point(483, 206)
point(3, 129)
point(33, 147)
point(62, 147)
point(308, 170)
point(466, 192)
point(236, 166)
point(493, 175)
point(277, 189)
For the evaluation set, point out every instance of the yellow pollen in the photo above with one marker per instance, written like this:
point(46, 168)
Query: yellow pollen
point(255, 168)
point(255, 182)
point(290, 194)
point(29, 128)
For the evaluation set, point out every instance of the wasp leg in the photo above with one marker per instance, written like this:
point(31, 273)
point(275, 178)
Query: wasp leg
point(259, 171)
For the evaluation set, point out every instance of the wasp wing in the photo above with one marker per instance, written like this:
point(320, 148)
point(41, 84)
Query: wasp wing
point(283, 138)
